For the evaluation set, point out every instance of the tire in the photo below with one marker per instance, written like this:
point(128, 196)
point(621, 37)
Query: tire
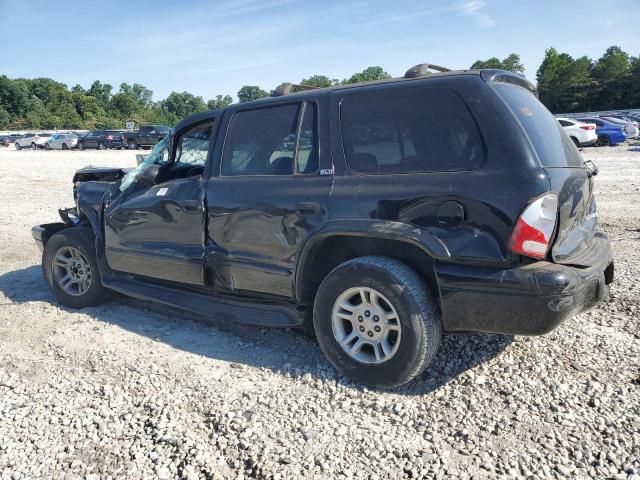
point(64, 146)
point(575, 142)
point(78, 239)
point(603, 141)
point(133, 146)
point(80, 146)
point(18, 147)
point(33, 146)
point(416, 328)
point(47, 146)
point(100, 146)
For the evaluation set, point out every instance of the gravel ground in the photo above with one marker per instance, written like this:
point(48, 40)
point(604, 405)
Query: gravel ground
point(133, 390)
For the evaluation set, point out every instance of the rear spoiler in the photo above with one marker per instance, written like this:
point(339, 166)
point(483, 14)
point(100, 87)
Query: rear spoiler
point(495, 75)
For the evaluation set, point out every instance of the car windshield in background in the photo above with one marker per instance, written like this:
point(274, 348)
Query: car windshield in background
point(552, 145)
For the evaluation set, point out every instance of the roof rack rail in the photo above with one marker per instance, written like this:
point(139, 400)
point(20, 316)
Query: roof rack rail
point(287, 88)
point(423, 69)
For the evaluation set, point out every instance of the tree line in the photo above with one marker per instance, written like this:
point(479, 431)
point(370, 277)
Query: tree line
point(565, 84)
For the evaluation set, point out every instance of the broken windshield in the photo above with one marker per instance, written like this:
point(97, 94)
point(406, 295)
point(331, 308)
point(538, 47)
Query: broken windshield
point(158, 156)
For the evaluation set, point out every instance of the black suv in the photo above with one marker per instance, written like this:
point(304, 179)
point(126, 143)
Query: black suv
point(101, 139)
point(381, 215)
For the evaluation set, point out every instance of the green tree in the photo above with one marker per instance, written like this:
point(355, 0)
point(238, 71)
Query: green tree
point(251, 92)
point(369, 74)
point(320, 81)
point(493, 62)
point(511, 63)
point(180, 105)
point(219, 102)
point(554, 80)
point(613, 74)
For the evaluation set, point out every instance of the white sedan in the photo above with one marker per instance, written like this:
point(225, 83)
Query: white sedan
point(62, 141)
point(582, 134)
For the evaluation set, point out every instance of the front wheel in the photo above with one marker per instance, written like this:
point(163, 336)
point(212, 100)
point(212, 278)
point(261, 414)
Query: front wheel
point(603, 141)
point(64, 146)
point(70, 268)
point(33, 146)
point(100, 146)
point(17, 146)
point(376, 321)
point(80, 146)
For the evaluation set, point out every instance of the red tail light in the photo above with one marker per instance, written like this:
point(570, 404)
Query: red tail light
point(531, 236)
point(588, 127)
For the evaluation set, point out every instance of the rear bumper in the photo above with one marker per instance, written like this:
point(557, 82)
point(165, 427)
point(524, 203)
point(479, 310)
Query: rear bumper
point(588, 143)
point(528, 300)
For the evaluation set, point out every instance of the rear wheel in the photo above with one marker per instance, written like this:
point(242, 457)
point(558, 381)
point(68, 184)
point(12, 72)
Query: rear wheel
point(64, 146)
point(603, 141)
point(100, 146)
point(80, 146)
point(47, 146)
point(133, 146)
point(376, 321)
point(70, 268)
point(33, 146)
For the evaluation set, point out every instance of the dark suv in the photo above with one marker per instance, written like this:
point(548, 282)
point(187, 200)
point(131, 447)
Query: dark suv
point(101, 139)
point(381, 215)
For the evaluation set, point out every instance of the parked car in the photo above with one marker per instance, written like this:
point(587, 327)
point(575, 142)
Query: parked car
point(582, 134)
point(146, 137)
point(32, 140)
point(629, 127)
point(608, 133)
point(433, 204)
point(115, 140)
point(61, 141)
point(99, 139)
point(5, 140)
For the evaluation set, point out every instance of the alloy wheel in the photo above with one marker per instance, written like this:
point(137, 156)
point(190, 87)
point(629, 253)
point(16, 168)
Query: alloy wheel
point(366, 325)
point(72, 271)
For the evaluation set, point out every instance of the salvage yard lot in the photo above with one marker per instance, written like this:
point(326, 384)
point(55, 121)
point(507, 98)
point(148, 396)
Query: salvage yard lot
point(132, 389)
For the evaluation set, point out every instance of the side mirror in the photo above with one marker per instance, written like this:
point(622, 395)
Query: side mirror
point(149, 175)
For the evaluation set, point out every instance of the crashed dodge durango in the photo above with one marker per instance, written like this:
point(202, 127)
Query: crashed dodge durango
point(378, 216)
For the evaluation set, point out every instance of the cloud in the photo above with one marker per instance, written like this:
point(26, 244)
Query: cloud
point(473, 10)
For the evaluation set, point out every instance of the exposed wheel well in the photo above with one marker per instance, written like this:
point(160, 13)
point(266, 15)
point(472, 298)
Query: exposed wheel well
point(334, 250)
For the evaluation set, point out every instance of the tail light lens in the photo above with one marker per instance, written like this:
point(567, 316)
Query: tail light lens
point(531, 236)
point(588, 127)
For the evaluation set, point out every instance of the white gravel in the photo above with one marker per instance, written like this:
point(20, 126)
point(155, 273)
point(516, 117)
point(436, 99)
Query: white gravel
point(133, 390)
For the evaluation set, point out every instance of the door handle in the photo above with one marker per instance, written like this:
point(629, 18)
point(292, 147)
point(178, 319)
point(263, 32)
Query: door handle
point(190, 205)
point(308, 209)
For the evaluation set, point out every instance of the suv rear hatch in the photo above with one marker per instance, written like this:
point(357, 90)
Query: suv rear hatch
point(575, 240)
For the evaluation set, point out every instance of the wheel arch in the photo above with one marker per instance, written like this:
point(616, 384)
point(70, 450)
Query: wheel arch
point(416, 247)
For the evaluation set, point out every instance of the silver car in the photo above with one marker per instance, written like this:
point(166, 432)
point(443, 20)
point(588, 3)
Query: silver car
point(62, 141)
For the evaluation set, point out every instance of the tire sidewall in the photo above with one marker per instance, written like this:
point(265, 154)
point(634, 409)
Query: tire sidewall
point(396, 370)
point(82, 239)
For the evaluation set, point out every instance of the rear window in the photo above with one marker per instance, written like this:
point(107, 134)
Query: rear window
point(551, 143)
point(405, 130)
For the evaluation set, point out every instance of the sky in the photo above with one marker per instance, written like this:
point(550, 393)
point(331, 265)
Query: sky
point(210, 48)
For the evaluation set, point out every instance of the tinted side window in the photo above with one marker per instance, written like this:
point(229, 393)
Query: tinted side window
point(403, 130)
point(552, 144)
point(261, 142)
